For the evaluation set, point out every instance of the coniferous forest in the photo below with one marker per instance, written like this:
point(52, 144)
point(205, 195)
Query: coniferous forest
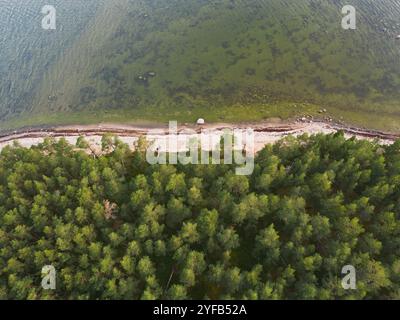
point(115, 227)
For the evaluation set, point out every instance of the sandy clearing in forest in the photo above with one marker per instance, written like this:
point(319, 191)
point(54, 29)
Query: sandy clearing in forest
point(264, 133)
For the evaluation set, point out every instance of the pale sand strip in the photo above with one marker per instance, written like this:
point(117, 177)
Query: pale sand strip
point(264, 133)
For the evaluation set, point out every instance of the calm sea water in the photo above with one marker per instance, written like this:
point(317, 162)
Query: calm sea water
point(26, 50)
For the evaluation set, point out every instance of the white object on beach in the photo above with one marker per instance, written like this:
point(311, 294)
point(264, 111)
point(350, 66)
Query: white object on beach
point(201, 121)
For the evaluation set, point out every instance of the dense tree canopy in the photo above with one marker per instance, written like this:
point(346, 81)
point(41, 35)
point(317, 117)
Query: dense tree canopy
point(115, 227)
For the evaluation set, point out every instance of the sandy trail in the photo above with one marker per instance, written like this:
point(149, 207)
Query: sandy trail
point(264, 133)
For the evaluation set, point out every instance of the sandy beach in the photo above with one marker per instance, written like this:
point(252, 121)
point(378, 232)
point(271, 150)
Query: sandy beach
point(264, 133)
